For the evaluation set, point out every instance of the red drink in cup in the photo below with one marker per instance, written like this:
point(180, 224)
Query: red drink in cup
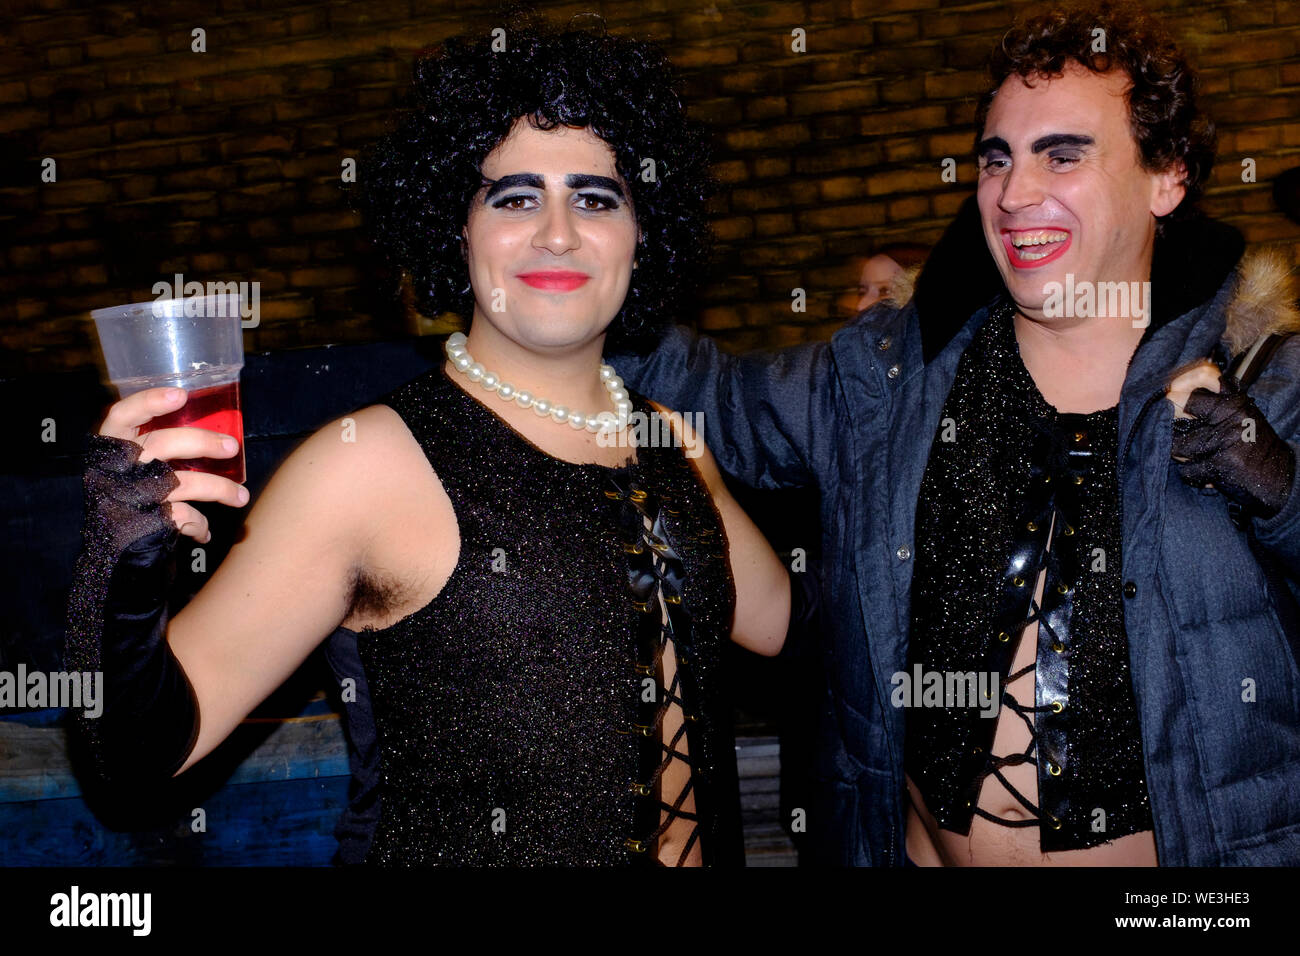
point(217, 408)
point(194, 343)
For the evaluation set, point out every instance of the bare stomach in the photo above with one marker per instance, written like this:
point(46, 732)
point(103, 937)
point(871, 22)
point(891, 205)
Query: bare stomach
point(991, 844)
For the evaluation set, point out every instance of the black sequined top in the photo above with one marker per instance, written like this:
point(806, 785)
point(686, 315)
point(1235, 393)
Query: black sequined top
point(519, 718)
point(1005, 469)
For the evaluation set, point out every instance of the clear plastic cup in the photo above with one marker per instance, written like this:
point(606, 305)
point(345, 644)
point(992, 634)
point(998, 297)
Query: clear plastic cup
point(195, 343)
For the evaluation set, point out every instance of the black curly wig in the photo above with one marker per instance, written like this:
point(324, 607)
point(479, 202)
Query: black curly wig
point(416, 183)
point(1164, 114)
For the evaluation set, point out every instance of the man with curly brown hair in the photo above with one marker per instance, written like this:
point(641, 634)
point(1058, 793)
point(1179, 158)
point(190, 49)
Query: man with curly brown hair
point(1062, 552)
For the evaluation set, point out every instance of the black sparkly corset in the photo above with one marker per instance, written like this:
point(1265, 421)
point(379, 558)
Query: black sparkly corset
point(523, 717)
point(1013, 488)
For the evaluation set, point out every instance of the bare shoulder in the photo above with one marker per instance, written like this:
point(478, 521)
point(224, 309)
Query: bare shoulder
point(406, 536)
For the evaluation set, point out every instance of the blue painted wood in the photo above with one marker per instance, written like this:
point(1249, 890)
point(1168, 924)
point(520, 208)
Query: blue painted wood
point(272, 795)
point(286, 823)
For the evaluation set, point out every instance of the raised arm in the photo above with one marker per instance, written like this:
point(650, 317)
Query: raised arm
point(176, 689)
point(286, 585)
point(768, 416)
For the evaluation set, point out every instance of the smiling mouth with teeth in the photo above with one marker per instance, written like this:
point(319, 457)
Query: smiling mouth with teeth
point(1034, 245)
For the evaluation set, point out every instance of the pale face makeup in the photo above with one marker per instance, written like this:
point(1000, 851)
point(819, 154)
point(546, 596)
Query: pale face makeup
point(550, 240)
point(1061, 188)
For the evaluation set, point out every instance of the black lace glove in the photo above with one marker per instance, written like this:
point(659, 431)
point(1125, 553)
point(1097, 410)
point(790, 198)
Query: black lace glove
point(1256, 475)
point(117, 620)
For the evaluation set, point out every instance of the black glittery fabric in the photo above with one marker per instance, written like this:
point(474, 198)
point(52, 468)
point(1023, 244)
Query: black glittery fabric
point(971, 601)
point(508, 712)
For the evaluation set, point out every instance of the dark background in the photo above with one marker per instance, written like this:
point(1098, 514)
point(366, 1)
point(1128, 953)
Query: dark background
point(225, 165)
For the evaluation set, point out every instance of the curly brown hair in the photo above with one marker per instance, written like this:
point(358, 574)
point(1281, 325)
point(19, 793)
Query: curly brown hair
point(1164, 115)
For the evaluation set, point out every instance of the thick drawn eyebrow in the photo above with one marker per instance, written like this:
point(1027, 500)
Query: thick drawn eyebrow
point(996, 144)
point(533, 180)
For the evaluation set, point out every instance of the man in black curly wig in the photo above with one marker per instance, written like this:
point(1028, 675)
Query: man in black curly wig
point(1062, 565)
point(418, 182)
point(524, 582)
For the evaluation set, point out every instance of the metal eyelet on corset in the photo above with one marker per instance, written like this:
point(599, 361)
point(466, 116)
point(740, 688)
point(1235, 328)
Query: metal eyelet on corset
point(1062, 588)
point(1032, 525)
point(1054, 769)
point(647, 669)
point(1057, 707)
point(1018, 581)
point(639, 495)
point(640, 789)
point(1058, 646)
point(636, 846)
point(633, 547)
point(1003, 636)
point(672, 599)
point(614, 495)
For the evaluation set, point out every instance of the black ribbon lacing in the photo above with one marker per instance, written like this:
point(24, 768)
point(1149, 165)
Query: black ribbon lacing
point(1059, 461)
point(656, 578)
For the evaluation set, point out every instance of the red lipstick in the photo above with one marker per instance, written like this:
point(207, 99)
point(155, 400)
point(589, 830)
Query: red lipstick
point(1016, 256)
point(557, 280)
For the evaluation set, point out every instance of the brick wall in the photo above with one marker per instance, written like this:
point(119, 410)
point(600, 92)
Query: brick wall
point(224, 165)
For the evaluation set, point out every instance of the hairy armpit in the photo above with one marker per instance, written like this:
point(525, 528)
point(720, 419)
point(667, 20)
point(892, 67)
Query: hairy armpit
point(374, 594)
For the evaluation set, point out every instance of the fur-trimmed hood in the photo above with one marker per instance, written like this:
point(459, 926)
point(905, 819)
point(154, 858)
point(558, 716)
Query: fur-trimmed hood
point(1264, 300)
point(1192, 260)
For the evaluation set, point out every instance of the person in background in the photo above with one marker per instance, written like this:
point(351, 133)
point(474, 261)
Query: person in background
point(886, 274)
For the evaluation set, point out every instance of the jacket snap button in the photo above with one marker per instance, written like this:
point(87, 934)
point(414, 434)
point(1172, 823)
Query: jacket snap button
point(1130, 589)
point(893, 371)
point(904, 553)
point(884, 343)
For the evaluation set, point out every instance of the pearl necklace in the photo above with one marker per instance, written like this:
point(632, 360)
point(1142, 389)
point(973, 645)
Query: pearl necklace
point(603, 421)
